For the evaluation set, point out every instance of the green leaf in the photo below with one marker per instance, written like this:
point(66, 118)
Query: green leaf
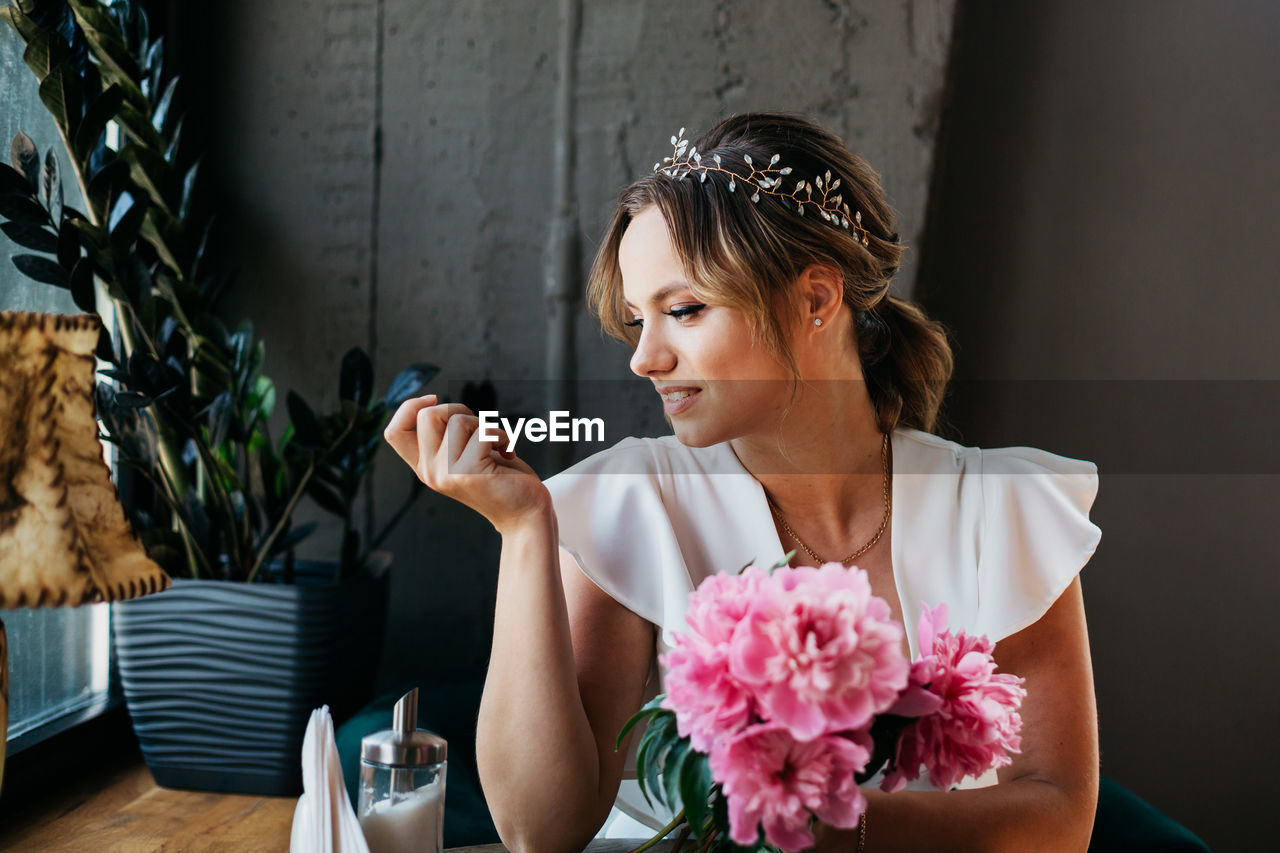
point(151, 172)
point(101, 111)
point(409, 382)
point(306, 427)
point(23, 209)
point(188, 190)
point(137, 126)
point(30, 236)
point(25, 159)
point(82, 286)
point(671, 769)
point(326, 498)
point(51, 186)
point(41, 269)
point(161, 110)
point(68, 245)
point(106, 182)
point(13, 182)
point(652, 707)
point(45, 52)
point(221, 411)
point(355, 378)
point(22, 25)
point(695, 787)
point(164, 233)
point(103, 33)
point(126, 219)
point(61, 92)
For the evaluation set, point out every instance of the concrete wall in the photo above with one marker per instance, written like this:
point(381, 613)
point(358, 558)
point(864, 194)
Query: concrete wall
point(1102, 240)
point(425, 241)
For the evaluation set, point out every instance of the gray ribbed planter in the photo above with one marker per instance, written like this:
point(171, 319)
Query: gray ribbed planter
point(220, 678)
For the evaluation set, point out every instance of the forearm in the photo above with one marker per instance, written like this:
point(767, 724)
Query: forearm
point(1020, 815)
point(534, 746)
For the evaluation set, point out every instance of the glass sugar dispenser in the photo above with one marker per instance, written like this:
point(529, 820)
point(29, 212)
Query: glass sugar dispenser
point(402, 775)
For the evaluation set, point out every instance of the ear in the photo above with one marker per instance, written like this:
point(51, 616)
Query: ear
point(821, 291)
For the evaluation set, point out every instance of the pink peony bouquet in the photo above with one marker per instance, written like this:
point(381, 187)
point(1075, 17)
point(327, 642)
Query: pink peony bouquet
point(790, 688)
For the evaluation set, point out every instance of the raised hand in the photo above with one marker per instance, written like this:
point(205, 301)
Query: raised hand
point(441, 443)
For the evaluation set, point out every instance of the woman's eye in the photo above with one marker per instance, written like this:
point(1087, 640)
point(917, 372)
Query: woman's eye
point(684, 312)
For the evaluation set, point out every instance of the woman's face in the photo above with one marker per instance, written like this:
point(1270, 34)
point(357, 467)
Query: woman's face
point(716, 380)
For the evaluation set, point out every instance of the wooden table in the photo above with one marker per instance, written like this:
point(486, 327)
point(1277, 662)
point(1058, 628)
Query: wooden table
point(124, 811)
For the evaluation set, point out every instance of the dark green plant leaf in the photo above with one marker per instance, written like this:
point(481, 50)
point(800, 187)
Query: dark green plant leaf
point(160, 112)
point(175, 142)
point(355, 378)
point(24, 26)
point(695, 784)
point(136, 124)
point(150, 172)
point(652, 707)
point(293, 537)
point(326, 498)
point(41, 269)
point(107, 181)
point(132, 399)
point(672, 766)
point(22, 209)
point(30, 236)
point(13, 182)
point(81, 285)
point(61, 92)
point(101, 111)
point(67, 245)
point(104, 34)
point(221, 412)
point(126, 220)
point(155, 56)
point(45, 52)
point(307, 431)
point(188, 190)
point(409, 382)
point(106, 347)
point(25, 159)
point(51, 186)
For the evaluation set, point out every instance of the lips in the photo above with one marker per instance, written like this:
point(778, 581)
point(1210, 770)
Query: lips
point(678, 398)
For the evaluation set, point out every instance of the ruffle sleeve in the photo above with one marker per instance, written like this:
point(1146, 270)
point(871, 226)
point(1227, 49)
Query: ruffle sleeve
point(1035, 534)
point(613, 520)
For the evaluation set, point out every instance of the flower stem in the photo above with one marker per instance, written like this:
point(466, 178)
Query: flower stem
point(662, 833)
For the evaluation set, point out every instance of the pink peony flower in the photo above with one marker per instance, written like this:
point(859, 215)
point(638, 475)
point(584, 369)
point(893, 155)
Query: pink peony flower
point(708, 701)
point(977, 724)
point(773, 781)
point(819, 651)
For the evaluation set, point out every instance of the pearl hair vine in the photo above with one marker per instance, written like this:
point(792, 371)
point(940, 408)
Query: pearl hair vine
point(767, 179)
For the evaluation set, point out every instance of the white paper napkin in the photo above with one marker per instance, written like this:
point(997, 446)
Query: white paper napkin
point(324, 821)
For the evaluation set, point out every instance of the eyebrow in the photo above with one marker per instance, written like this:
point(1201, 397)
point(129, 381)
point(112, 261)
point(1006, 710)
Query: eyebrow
point(662, 293)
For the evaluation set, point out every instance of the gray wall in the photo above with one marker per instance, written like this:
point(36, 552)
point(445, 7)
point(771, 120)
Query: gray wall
point(1102, 240)
point(432, 248)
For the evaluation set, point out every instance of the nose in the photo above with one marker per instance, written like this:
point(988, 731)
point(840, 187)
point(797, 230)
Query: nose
point(652, 355)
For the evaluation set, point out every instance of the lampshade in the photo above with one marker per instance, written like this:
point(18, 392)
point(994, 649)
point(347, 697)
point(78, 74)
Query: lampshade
point(64, 539)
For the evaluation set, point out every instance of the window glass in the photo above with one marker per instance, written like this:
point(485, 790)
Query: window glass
point(58, 658)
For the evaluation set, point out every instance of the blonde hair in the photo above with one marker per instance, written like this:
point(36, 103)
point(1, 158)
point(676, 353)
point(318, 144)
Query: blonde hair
point(747, 255)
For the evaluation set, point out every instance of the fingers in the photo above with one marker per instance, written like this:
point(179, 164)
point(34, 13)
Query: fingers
point(401, 431)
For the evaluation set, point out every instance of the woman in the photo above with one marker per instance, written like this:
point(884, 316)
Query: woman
point(750, 272)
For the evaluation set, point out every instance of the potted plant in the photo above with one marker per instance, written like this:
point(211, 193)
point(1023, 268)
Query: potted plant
point(222, 670)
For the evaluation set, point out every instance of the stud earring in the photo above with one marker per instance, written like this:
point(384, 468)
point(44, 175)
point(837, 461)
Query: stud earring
point(817, 321)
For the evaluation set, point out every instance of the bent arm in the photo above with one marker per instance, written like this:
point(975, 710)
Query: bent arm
point(567, 668)
point(1046, 798)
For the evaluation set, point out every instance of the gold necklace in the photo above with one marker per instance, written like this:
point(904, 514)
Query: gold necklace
point(884, 522)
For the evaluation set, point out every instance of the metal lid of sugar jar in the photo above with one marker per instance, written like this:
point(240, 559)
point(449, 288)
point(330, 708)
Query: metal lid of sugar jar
point(404, 745)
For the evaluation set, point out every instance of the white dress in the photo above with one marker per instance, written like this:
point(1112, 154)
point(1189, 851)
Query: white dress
point(996, 534)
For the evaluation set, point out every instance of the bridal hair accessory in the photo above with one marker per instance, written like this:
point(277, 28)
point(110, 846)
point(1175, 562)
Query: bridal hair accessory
point(767, 179)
